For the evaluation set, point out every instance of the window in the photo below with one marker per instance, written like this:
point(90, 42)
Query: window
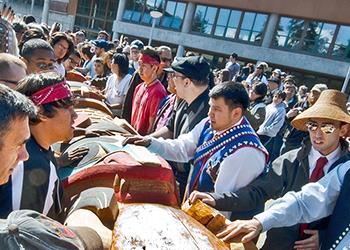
point(173, 15)
point(96, 15)
point(229, 23)
point(342, 43)
point(318, 37)
point(138, 11)
point(315, 37)
point(289, 32)
point(253, 26)
point(204, 19)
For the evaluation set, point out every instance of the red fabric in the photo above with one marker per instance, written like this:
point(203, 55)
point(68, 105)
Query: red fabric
point(51, 93)
point(102, 175)
point(316, 174)
point(145, 105)
point(147, 59)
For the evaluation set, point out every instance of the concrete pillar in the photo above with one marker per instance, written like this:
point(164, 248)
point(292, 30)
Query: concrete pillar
point(270, 30)
point(180, 51)
point(45, 14)
point(186, 26)
point(120, 11)
point(187, 23)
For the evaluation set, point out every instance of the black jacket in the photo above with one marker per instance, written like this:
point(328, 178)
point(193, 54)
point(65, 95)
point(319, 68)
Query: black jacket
point(289, 172)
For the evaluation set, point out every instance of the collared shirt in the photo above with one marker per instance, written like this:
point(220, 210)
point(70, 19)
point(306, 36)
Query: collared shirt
point(314, 155)
point(315, 201)
point(236, 170)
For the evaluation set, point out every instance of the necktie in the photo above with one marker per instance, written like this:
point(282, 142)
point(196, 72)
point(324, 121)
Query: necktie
point(316, 174)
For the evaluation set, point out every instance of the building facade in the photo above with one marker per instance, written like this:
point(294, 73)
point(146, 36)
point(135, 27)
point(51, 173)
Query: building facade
point(310, 39)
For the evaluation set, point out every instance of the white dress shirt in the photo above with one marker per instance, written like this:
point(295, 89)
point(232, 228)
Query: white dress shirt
point(315, 201)
point(314, 155)
point(236, 171)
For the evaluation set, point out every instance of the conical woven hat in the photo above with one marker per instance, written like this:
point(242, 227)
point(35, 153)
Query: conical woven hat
point(330, 105)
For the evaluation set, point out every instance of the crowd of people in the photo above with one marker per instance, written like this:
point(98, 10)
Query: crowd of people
point(235, 137)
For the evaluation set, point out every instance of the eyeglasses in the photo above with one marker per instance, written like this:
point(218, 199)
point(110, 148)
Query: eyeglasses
point(326, 128)
point(45, 66)
point(174, 75)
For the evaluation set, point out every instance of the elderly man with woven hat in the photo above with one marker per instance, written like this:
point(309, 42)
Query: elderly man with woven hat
point(327, 123)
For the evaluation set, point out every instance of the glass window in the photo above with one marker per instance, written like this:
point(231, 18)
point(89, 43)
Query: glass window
point(253, 26)
point(233, 23)
point(224, 15)
point(151, 5)
point(95, 15)
point(173, 15)
point(289, 32)
point(133, 10)
point(204, 19)
point(318, 37)
point(342, 43)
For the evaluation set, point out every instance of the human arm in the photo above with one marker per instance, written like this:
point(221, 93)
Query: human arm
point(312, 242)
point(255, 193)
point(181, 149)
point(314, 201)
point(164, 132)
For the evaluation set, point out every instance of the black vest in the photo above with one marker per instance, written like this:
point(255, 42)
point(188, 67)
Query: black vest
point(339, 224)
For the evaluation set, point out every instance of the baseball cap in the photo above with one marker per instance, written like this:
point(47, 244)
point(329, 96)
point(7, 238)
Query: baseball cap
point(100, 43)
point(27, 229)
point(193, 67)
point(137, 44)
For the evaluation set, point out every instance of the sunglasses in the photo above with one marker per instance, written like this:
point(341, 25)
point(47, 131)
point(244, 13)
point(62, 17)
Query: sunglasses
point(326, 128)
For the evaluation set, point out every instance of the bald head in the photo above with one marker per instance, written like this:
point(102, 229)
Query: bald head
point(12, 70)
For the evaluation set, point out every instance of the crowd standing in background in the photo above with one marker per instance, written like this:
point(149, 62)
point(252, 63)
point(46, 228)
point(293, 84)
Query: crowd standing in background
point(235, 137)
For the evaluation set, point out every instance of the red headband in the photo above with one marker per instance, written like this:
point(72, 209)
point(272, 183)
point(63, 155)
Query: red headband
point(147, 59)
point(51, 93)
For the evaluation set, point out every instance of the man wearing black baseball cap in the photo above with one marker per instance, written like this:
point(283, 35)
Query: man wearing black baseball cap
point(190, 76)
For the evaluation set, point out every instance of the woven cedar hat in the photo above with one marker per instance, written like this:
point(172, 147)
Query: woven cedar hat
point(330, 105)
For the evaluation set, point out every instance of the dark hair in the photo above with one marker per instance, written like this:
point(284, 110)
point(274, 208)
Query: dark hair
point(76, 53)
point(32, 45)
point(281, 94)
point(233, 93)
point(29, 19)
point(122, 61)
point(30, 34)
point(150, 51)
point(234, 55)
point(58, 36)
point(13, 105)
point(35, 82)
point(87, 50)
point(19, 27)
point(260, 89)
point(225, 75)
